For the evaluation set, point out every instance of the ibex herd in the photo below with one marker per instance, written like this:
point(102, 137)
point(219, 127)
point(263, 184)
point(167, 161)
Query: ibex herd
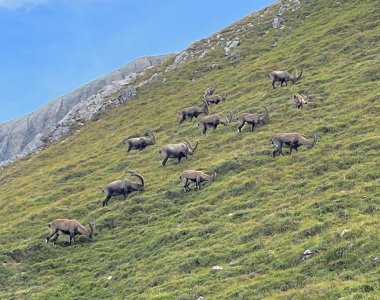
point(183, 150)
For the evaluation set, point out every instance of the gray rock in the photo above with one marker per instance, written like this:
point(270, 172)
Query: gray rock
point(276, 22)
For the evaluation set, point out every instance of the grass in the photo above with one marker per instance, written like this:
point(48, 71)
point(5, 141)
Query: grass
point(257, 218)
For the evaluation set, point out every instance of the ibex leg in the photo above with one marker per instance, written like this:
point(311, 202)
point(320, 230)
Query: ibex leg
point(164, 161)
point(105, 201)
point(50, 236)
point(55, 238)
point(241, 126)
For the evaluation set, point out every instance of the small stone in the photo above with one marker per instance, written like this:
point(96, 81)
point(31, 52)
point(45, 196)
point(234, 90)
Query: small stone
point(307, 252)
point(217, 268)
point(109, 277)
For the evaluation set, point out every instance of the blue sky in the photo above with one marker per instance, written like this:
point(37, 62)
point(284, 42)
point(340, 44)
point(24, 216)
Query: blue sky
point(50, 47)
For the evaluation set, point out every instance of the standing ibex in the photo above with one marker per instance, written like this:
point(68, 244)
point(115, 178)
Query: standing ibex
point(70, 227)
point(215, 99)
point(140, 142)
point(211, 90)
point(193, 112)
point(122, 187)
point(195, 176)
point(283, 77)
point(213, 121)
point(252, 118)
point(292, 141)
point(177, 151)
point(300, 100)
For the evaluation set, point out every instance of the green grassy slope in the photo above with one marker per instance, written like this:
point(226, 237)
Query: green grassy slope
point(257, 218)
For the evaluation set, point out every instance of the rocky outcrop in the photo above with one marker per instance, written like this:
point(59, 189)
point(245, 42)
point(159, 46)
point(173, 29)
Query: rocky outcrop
point(32, 132)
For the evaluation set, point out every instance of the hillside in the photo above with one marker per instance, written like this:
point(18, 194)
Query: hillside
point(53, 121)
point(260, 214)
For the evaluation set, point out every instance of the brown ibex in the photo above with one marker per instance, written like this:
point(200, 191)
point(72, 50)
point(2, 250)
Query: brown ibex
point(252, 118)
point(195, 176)
point(140, 142)
point(283, 77)
point(193, 112)
point(211, 90)
point(70, 227)
point(177, 151)
point(292, 141)
point(213, 121)
point(215, 99)
point(300, 100)
point(122, 187)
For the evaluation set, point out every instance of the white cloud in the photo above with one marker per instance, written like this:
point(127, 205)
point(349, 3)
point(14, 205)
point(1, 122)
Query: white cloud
point(15, 4)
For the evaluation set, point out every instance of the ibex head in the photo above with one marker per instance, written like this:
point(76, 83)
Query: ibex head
point(297, 77)
point(205, 108)
point(311, 145)
point(226, 121)
point(191, 148)
point(153, 137)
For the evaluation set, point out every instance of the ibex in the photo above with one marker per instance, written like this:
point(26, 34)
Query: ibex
point(300, 100)
point(195, 176)
point(193, 112)
point(177, 151)
point(283, 77)
point(292, 141)
point(211, 90)
point(70, 227)
point(252, 118)
point(140, 142)
point(215, 99)
point(213, 121)
point(122, 187)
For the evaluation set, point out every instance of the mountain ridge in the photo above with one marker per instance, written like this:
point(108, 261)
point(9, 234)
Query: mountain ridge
point(31, 133)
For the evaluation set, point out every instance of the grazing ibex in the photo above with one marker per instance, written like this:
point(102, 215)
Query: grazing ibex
point(140, 142)
point(195, 176)
point(300, 100)
point(292, 141)
point(211, 90)
point(122, 187)
point(213, 121)
point(215, 99)
point(70, 227)
point(283, 77)
point(252, 118)
point(193, 112)
point(177, 151)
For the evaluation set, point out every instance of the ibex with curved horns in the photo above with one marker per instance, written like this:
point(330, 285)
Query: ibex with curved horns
point(283, 77)
point(195, 176)
point(213, 121)
point(140, 142)
point(300, 100)
point(253, 119)
point(193, 112)
point(122, 187)
point(215, 99)
point(211, 90)
point(70, 227)
point(292, 141)
point(177, 151)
